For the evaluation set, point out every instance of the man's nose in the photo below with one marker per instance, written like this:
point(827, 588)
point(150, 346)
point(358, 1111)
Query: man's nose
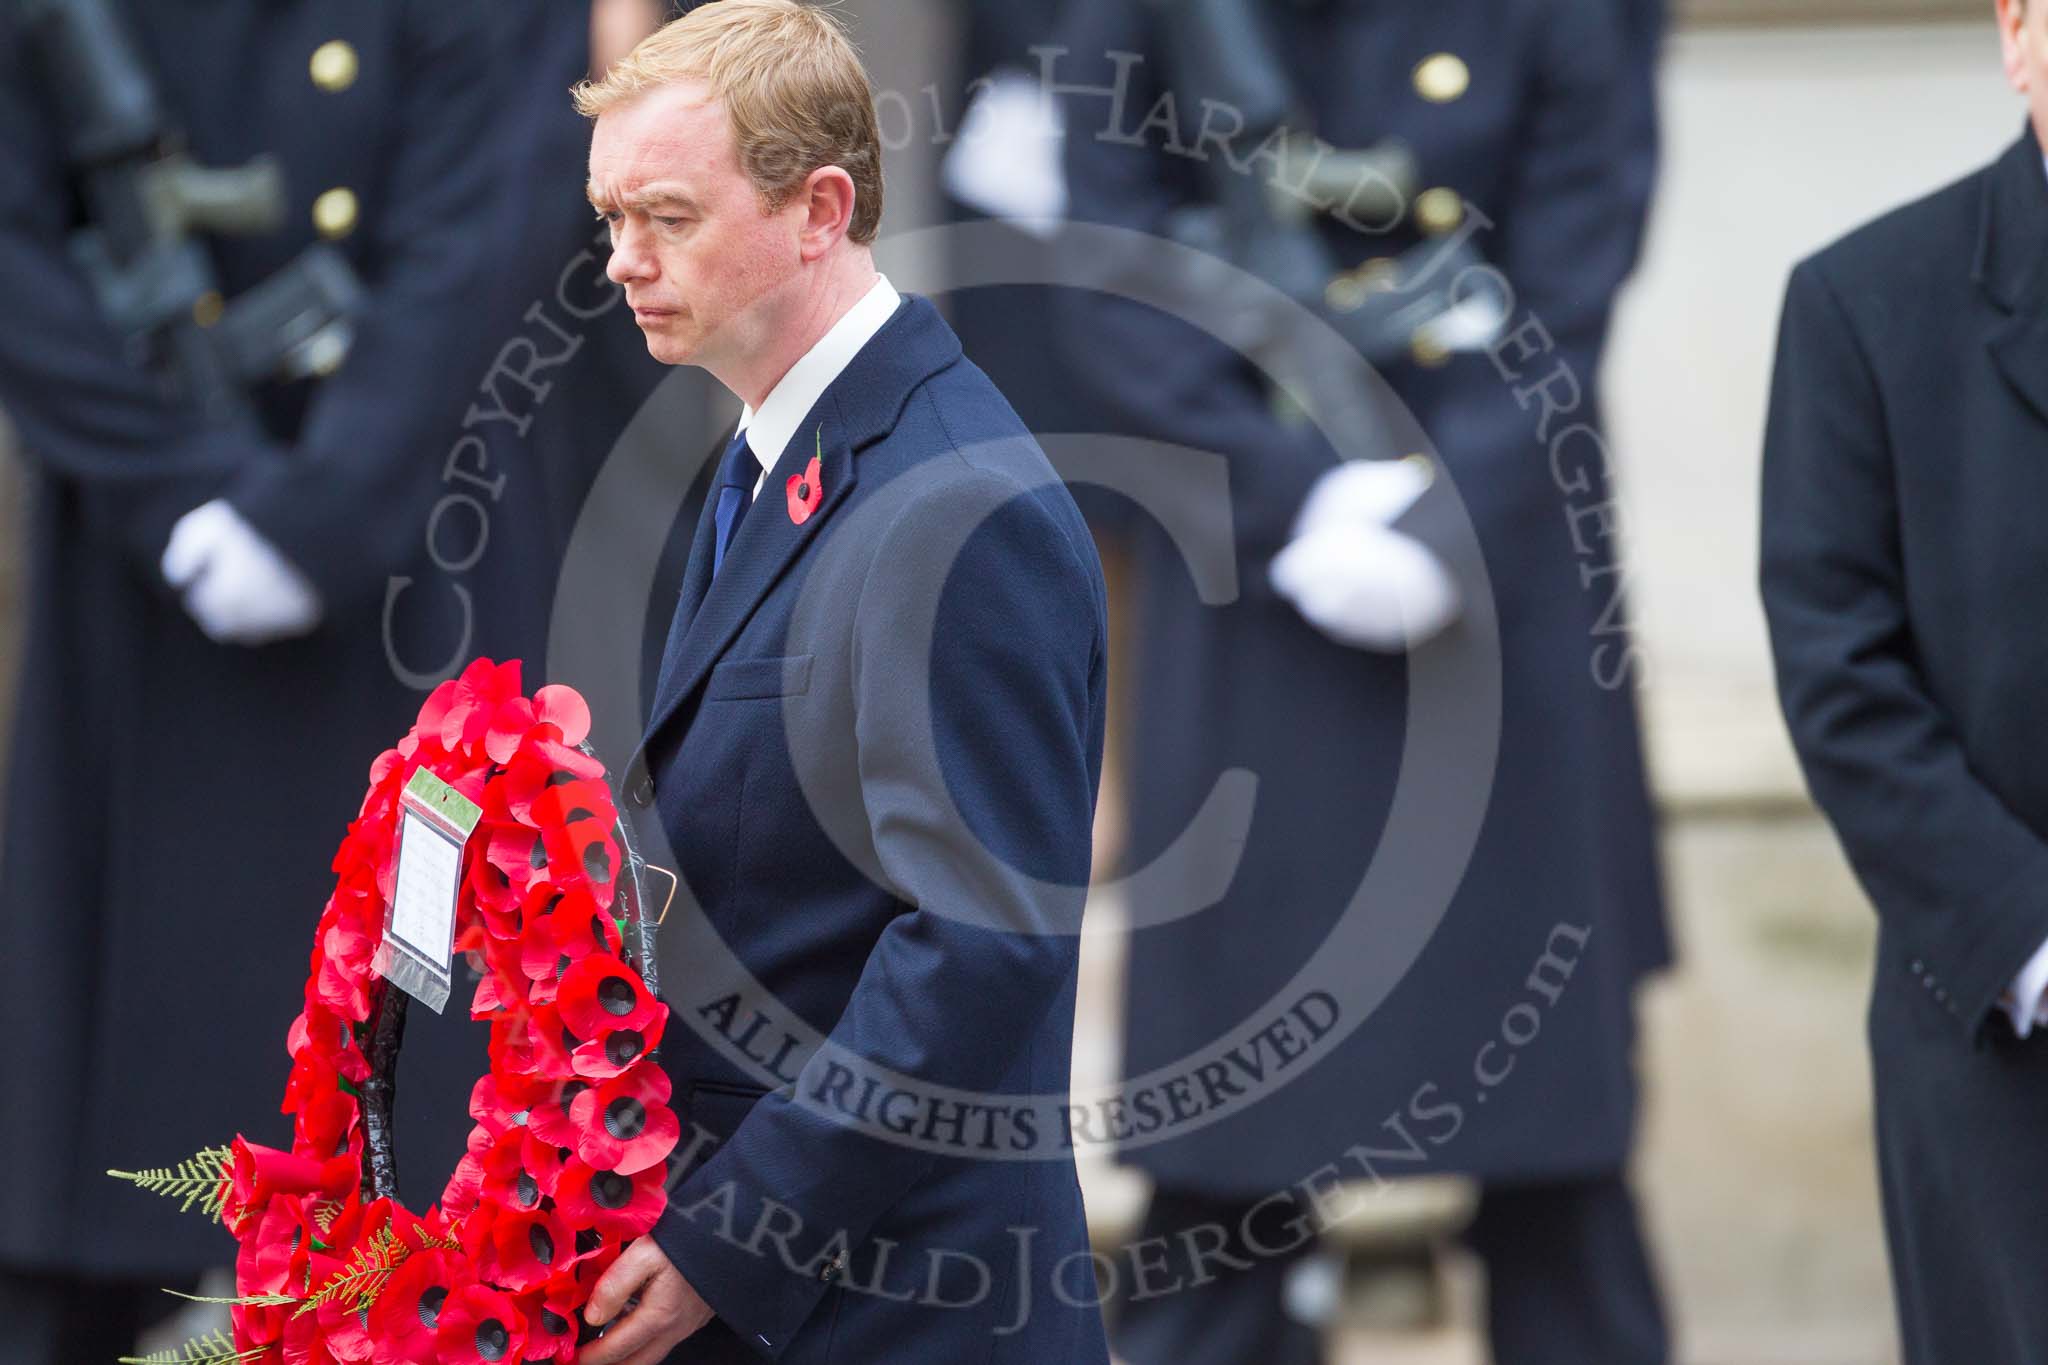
point(631, 261)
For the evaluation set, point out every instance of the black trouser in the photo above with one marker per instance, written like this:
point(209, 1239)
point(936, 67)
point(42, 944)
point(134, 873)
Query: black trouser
point(1568, 1283)
point(66, 1320)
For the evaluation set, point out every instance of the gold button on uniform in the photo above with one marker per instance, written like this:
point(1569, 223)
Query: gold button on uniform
point(1426, 351)
point(334, 66)
point(1442, 77)
point(207, 308)
point(1348, 291)
point(1439, 210)
point(334, 213)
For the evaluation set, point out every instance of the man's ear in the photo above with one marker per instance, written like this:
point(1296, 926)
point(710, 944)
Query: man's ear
point(2013, 41)
point(827, 196)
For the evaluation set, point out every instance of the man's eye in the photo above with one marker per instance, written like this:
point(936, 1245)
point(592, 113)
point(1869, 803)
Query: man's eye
point(668, 222)
point(611, 216)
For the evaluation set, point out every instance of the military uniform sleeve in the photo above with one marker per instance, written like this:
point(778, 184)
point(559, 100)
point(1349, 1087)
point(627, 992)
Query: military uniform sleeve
point(1564, 234)
point(1154, 374)
point(1955, 875)
point(84, 412)
point(351, 505)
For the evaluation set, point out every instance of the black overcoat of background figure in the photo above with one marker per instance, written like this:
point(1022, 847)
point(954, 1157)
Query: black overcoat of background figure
point(1536, 117)
point(1903, 571)
point(174, 804)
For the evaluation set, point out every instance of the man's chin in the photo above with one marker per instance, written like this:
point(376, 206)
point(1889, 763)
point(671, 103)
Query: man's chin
point(669, 348)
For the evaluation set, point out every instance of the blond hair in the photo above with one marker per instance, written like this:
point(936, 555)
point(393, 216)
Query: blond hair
point(792, 86)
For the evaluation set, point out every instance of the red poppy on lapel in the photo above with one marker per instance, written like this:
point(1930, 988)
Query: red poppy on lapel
point(805, 493)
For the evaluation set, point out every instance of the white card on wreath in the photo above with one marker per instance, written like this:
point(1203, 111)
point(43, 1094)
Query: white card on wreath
point(418, 950)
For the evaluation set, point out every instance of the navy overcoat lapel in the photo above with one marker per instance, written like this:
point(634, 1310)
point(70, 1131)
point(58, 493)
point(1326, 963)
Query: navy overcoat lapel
point(857, 409)
point(2012, 242)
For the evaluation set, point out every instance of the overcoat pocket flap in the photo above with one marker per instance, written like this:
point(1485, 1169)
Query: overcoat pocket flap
point(786, 676)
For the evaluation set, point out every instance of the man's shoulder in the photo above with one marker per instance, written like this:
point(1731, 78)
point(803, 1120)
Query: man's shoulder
point(959, 444)
point(1897, 251)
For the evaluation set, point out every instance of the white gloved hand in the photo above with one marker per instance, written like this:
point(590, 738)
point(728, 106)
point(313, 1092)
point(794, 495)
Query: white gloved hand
point(1354, 579)
point(234, 583)
point(1363, 493)
point(1368, 587)
point(1005, 159)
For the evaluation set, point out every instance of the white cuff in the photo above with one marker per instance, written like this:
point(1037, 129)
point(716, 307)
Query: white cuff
point(2023, 1006)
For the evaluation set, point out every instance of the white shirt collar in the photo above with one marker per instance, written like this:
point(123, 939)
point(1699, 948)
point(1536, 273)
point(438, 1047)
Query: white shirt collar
point(794, 395)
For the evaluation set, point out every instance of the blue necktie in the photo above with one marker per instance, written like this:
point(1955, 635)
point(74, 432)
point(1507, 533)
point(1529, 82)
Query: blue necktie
point(737, 474)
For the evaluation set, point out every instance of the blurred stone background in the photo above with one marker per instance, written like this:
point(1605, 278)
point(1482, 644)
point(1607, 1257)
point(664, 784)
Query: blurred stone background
point(1781, 132)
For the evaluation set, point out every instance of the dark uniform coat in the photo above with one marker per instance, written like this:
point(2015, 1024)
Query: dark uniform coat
point(1476, 1062)
point(1903, 567)
point(173, 803)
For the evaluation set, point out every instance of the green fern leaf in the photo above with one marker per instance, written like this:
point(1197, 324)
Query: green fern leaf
point(245, 1301)
point(362, 1279)
point(200, 1179)
point(215, 1348)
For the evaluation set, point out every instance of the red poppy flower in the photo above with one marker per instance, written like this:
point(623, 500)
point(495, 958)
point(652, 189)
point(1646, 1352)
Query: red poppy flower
point(550, 1120)
point(625, 1125)
point(576, 838)
point(541, 764)
point(345, 1330)
point(258, 1174)
point(609, 1009)
point(327, 1113)
point(583, 927)
point(510, 721)
point(619, 1207)
point(465, 1187)
point(517, 1171)
point(500, 1103)
point(532, 1043)
point(408, 1310)
point(276, 1247)
point(525, 1249)
point(346, 942)
point(467, 714)
point(565, 709)
point(551, 1317)
point(600, 993)
point(804, 491)
point(480, 1326)
point(518, 859)
point(539, 956)
point(326, 1033)
point(569, 803)
point(257, 1326)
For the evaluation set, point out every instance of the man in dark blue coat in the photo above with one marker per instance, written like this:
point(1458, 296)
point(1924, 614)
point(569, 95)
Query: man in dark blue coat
point(874, 751)
point(1490, 1024)
point(1905, 466)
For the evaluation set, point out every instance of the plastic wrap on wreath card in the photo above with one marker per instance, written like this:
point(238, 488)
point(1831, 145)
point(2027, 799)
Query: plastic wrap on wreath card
point(418, 950)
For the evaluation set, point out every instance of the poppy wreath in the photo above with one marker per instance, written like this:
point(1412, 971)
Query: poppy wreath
point(567, 1161)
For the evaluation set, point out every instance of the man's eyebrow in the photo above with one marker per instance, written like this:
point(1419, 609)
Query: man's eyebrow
point(647, 197)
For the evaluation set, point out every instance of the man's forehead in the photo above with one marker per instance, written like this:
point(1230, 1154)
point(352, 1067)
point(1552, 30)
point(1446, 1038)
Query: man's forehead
point(664, 140)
